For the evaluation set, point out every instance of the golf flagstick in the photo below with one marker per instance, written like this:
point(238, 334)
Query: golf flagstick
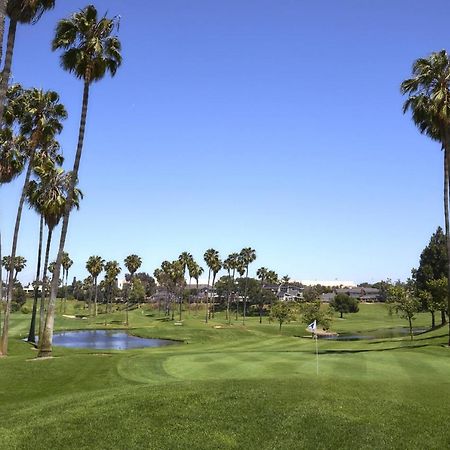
point(312, 327)
point(317, 355)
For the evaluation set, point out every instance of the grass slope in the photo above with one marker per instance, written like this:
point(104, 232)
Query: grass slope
point(231, 387)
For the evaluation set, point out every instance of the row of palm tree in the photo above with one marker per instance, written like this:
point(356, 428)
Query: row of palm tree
point(31, 119)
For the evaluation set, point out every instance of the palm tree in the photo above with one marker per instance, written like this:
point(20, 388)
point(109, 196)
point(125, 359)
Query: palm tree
point(48, 197)
point(240, 267)
point(185, 258)
point(262, 273)
point(66, 265)
point(211, 257)
point(112, 270)
point(215, 267)
point(95, 266)
point(89, 51)
point(12, 161)
point(196, 271)
point(12, 155)
point(19, 11)
point(47, 156)
point(39, 115)
point(248, 256)
point(231, 264)
point(132, 263)
point(177, 282)
point(14, 268)
point(429, 102)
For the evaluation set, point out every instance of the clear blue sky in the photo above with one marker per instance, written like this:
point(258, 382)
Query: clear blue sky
point(270, 124)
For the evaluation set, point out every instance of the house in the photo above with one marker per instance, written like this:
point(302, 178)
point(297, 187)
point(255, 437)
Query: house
point(363, 294)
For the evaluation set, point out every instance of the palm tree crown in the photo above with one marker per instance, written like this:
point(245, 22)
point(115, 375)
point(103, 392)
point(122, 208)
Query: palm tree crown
point(89, 49)
point(132, 263)
point(95, 265)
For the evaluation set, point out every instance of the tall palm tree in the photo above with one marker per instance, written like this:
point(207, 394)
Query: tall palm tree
point(95, 266)
point(112, 270)
point(216, 266)
point(66, 265)
point(231, 264)
point(38, 114)
point(132, 263)
point(428, 100)
point(196, 271)
point(240, 268)
point(211, 256)
point(12, 161)
point(262, 273)
point(177, 282)
point(89, 51)
point(48, 197)
point(186, 260)
point(19, 11)
point(248, 255)
point(48, 155)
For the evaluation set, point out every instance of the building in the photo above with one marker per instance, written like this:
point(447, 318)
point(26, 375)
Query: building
point(363, 294)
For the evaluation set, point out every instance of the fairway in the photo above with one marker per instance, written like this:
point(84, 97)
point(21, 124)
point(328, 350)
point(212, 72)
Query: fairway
point(230, 387)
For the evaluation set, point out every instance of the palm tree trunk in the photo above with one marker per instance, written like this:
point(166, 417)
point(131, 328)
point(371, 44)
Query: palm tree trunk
point(4, 340)
point(207, 297)
point(213, 302)
point(228, 296)
point(196, 298)
point(245, 296)
point(189, 296)
point(32, 332)
point(95, 297)
point(65, 291)
point(3, 4)
point(6, 73)
point(44, 283)
point(447, 226)
point(45, 348)
point(1, 284)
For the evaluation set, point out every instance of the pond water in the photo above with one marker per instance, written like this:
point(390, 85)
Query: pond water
point(384, 333)
point(105, 340)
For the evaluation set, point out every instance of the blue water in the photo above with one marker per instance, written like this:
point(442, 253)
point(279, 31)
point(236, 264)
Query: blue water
point(105, 340)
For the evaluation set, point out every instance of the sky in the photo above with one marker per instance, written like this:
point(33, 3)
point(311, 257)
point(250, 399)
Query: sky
point(271, 124)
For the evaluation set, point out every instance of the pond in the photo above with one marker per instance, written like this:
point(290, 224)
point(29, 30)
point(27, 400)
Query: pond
point(105, 340)
point(384, 333)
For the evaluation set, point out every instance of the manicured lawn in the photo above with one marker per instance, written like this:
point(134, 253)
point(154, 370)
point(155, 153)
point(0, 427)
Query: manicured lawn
point(230, 387)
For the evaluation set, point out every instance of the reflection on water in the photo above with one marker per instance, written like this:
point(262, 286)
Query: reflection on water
point(384, 333)
point(105, 340)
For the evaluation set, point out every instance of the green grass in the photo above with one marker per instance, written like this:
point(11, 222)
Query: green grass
point(231, 387)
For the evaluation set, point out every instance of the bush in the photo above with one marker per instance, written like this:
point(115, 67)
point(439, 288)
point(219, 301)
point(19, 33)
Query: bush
point(19, 298)
point(25, 309)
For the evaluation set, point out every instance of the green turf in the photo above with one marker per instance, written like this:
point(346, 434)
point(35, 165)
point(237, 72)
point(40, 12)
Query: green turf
point(230, 387)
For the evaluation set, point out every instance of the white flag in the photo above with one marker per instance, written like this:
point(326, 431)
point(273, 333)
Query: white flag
point(312, 327)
